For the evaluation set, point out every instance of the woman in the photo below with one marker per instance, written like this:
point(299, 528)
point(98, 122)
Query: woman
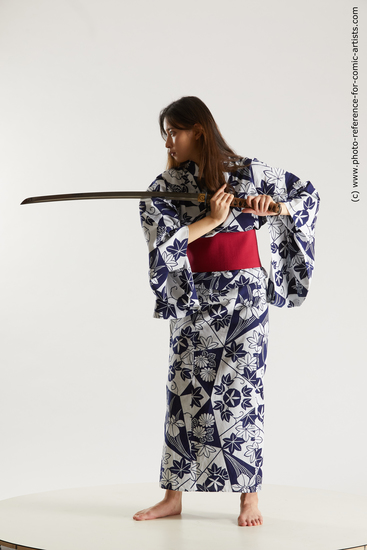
point(208, 280)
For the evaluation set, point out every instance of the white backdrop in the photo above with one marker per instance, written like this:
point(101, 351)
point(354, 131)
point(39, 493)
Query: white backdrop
point(83, 363)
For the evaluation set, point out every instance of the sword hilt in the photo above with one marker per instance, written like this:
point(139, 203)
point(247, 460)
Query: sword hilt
point(237, 202)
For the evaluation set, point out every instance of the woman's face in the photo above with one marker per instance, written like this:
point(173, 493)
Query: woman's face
point(183, 145)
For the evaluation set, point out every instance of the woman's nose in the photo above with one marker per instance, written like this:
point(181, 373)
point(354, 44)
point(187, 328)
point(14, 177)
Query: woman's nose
point(168, 142)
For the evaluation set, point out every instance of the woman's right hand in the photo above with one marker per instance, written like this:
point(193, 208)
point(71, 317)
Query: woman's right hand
point(220, 204)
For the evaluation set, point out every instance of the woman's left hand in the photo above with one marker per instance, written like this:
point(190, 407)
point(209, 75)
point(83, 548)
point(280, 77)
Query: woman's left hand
point(260, 205)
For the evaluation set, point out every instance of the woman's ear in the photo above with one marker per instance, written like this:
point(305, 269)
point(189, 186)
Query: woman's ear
point(198, 130)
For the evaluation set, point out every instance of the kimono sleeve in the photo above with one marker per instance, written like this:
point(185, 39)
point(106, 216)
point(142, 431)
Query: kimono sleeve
point(292, 238)
point(170, 273)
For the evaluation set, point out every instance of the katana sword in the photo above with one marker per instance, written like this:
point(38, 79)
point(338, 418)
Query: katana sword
point(199, 197)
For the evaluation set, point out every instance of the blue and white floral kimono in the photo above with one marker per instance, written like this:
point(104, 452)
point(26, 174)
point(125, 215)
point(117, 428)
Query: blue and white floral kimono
point(219, 324)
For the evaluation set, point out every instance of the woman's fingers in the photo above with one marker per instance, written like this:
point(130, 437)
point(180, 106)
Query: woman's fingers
point(261, 202)
point(219, 192)
point(220, 203)
point(260, 205)
point(220, 196)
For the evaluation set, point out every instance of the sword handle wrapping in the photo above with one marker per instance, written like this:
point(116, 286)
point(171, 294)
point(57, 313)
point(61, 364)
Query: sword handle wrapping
point(238, 202)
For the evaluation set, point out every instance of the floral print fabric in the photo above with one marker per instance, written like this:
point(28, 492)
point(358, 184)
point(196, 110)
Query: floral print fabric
point(292, 238)
point(219, 325)
point(215, 402)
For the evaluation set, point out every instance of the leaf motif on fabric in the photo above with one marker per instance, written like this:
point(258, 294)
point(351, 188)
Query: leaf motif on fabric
point(221, 323)
point(304, 270)
point(249, 362)
point(207, 343)
point(255, 342)
point(233, 443)
point(167, 310)
point(204, 450)
point(169, 260)
point(275, 176)
point(168, 479)
point(218, 405)
point(276, 227)
point(178, 248)
point(196, 397)
point(180, 468)
point(235, 351)
point(226, 415)
point(219, 389)
point(251, 451)
point(309, 203)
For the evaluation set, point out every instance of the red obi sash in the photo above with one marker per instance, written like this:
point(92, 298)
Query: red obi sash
point(224, 252)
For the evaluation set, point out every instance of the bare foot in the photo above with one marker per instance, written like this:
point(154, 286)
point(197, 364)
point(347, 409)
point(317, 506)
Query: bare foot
point(171, 505)
point(249, 512)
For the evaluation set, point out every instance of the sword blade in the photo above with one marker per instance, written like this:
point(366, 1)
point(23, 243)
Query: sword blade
point(117, 195)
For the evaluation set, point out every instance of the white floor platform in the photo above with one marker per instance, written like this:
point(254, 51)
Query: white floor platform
point(100, 518)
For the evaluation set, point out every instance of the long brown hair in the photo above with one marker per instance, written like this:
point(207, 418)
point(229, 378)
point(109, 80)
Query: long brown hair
point(216, 155)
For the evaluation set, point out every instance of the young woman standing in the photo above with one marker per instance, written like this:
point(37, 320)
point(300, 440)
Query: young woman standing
point(207, 277)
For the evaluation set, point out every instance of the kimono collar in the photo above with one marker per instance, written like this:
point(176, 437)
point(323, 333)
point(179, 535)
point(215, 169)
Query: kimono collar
point(191, 167)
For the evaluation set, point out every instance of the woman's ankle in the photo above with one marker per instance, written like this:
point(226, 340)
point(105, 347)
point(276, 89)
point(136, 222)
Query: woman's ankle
point(173, 495)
